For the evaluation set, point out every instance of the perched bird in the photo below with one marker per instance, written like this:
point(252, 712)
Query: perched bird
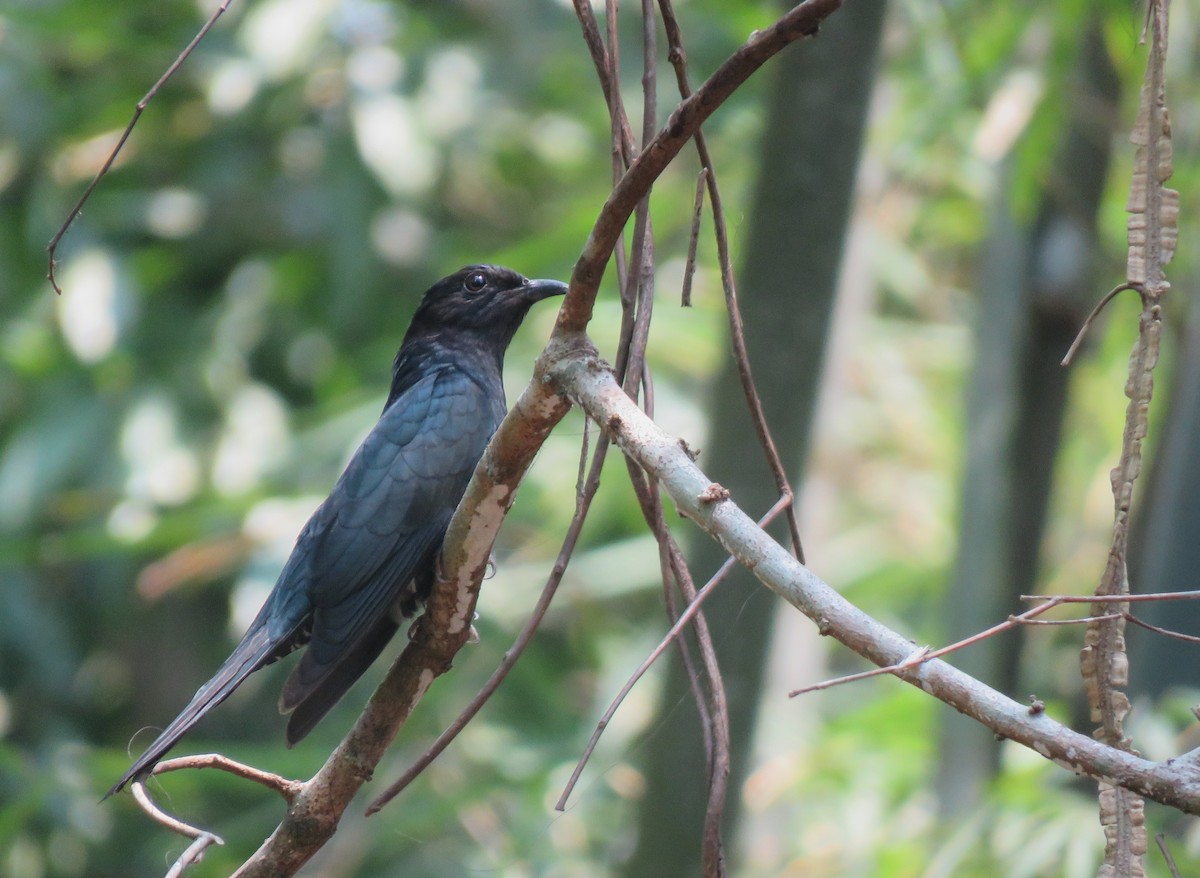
point(367, 558)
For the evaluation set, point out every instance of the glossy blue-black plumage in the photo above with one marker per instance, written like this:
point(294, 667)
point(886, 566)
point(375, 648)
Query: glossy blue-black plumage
point(367, 557)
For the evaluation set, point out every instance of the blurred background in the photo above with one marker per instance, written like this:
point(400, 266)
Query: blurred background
point(923, 205)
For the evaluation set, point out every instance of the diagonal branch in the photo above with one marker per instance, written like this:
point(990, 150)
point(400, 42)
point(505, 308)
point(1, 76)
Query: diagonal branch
point(586, 380)
point(52, 247)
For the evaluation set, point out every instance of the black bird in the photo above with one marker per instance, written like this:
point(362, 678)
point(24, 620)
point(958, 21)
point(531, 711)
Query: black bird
point(367, 557)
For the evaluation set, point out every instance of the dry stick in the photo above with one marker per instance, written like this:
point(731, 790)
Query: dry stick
point(643, 234)
point(52, 247)
point(645, 492)
point(637, 288)
point(138, 787)
point(1161, 841)
point(619, 127)
point(684, 618)
point(719, 758)
point(1165, 632)
point(584, 493)
point(681, 575)
point(923, 654)
point(678, 58)
point(282, 785)
point(1087, 321)
point(202, 839)
point(689, 267)
point(192, 854)
point(599, 53)
point(623, 148)
point(1115, 598)
point(648, 499)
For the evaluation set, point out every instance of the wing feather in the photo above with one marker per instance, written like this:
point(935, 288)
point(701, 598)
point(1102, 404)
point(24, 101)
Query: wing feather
point(385, 520)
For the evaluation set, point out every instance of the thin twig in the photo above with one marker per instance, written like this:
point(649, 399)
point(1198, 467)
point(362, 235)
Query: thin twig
point(1161, 840)
point(192, 854)
point(925, 653)
point(684, 618)
point(678, 58)
point(138, 787)
point(1103, 617)
point(52, 247)
point(1165, 632)
point(1115, 598)
point(689, 267)
point(1095, 312)
point(282, 785)
point(202, 839)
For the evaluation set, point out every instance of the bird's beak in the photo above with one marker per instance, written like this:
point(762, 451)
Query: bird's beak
point(536, 290)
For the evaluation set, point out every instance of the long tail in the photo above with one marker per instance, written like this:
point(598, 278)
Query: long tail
point(256, 650)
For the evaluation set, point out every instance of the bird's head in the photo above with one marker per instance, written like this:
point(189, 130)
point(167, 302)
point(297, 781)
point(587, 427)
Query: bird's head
point(486, 300)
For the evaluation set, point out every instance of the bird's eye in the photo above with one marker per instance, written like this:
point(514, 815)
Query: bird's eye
point(475, 282)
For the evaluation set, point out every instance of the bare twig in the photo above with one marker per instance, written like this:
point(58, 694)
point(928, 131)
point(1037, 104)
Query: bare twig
point(1085, 620)
point(52, 247)
point(737, 335)
point(925, 653)
point(282, 785)
point(1161, 840)
point(192, 854)
point(160, 816)
point(680, 623)
point(600, 59)
point(1092, 315)
point(689, 267)
point(1165, 632)
point(1115, 598)
point(202, 839)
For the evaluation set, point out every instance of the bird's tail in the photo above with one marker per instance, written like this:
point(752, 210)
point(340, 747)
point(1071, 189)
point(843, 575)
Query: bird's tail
point(256, 650)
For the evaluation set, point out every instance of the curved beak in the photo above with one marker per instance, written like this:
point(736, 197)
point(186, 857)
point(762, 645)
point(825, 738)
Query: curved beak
point(536, 290)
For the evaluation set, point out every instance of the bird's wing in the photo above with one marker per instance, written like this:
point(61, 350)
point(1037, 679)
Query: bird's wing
point(386, 516)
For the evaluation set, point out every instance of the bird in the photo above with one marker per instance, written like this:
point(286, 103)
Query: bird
point(367, 558)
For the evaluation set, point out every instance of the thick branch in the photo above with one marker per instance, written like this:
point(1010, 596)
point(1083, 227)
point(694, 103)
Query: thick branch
point(587, 381)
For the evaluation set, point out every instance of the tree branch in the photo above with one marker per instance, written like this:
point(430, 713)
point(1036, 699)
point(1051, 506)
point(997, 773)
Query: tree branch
point(586, 380)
